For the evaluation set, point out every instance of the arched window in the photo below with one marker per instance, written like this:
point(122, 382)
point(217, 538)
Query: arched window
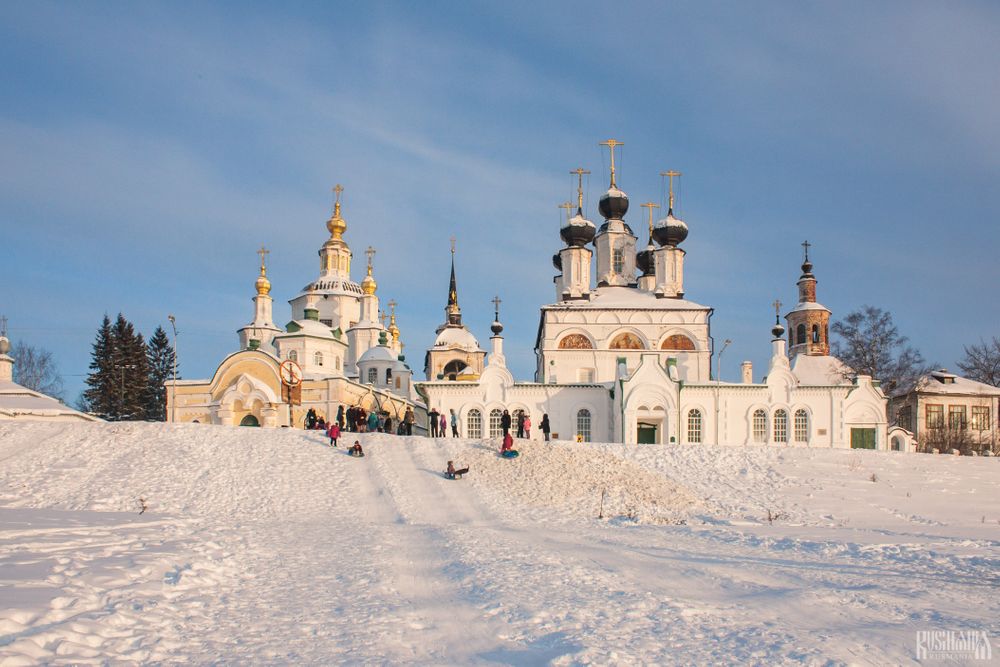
point(626, 341)
point(801, 426)
point(293, 355)
point(815, 333)
point(575, 342)
point(338, 363)
point(583, 424)
point(677, 342)
point(318, 358)
point(453, 369)
point(474, 424)
point(496, 430)
point(388, 376)
point(694, 426)
point(372, 375)
point(781, 426)
point(800, 335)
point(759, 426)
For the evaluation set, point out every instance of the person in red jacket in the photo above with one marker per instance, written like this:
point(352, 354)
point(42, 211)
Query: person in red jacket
point(333, 432)
point(508, 443)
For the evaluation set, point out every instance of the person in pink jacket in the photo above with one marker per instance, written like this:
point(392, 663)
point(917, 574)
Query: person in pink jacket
point(333, 432)
point(527, 427)
point(444, 426)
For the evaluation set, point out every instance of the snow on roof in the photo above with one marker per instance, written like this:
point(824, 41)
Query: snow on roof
point(820, 370)
point(943, 382)
point(808, 305)
point(627, 297)
point(460, 336)
point(18, 400)
point(377, 353)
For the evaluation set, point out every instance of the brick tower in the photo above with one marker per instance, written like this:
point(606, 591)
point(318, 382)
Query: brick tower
point(808, 322)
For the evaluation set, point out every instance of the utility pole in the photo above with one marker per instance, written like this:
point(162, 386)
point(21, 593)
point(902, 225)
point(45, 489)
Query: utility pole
point(718, 379)
point(173, 387)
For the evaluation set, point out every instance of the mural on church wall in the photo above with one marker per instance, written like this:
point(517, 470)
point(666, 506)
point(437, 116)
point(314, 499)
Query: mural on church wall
point(575, 342)
point(678, 342)
point(626, 341)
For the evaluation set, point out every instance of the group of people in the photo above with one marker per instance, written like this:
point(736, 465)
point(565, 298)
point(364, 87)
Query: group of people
point(358, 420)
point(438, 423)
point(524, 425)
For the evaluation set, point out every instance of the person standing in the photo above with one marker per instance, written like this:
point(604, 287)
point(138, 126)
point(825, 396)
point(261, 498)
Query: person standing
point(388, 424)
point(505, 422)
point(443, 426)
point(432, 418)
point(333, 432)
point(340, 416)
point(373, 422)
point(545, 426)
point(520, 424)
point(527, 426)
point(408, 419)
point(454, 424)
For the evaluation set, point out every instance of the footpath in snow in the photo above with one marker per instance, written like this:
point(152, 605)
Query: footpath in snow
point(266, 546)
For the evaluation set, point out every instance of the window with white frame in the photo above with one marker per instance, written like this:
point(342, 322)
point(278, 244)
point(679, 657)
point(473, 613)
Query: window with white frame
point(781, 426)
point(759, 426)
point(318, 358)
point(474, 424)
point(372, 375)
point(980, 417)
point(583, 424)
point(801, 426)
point(619, 260)
point(293, 355)
point(496, 430)
point(694, 426)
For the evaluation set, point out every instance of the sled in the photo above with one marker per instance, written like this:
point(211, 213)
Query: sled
point(457, 474)
point(510, 454)
point(357, 455)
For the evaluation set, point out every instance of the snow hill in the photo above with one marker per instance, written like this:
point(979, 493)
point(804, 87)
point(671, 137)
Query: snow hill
point(266, 546)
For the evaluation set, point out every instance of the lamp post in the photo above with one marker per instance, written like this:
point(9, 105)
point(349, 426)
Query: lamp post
point(718, 379)
point(121, 391)
point(173, 386)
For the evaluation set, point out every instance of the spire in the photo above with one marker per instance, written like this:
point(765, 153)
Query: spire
point(611, 144)
point(452, 310)
point(336, 224)
point(263, 284)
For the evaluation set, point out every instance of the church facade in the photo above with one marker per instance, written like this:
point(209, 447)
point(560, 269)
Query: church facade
point(624, 356)
point(335, 351)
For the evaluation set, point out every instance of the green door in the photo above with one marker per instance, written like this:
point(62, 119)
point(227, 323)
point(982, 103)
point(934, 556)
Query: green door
point(862, 438)
point(646, 434)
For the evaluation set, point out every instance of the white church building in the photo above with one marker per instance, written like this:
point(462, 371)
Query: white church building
point(623, 356)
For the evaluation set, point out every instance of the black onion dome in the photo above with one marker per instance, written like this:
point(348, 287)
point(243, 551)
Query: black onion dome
point(496, 328)
point(578, 231)
point(670, 231)
point(807, 268)
point(557, 261)
point(777, 330)
point(644, 260)
point(613, 205)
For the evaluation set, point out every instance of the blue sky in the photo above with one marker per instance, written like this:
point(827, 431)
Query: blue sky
point(149, 149)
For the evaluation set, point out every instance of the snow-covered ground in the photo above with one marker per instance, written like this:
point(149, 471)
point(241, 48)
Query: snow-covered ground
point(265, 546)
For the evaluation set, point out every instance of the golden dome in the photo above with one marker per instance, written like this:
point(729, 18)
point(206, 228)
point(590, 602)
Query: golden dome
point(336, 224)
point(368, 285)
point(393, 329)
point(263, 284)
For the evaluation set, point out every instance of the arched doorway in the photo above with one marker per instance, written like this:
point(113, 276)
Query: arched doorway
point(897, 444)
point(453, 369)
point(249, 420)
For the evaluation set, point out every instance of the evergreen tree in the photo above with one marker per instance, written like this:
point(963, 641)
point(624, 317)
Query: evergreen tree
point(160, 357)
point(131, 370)
point(100, 397)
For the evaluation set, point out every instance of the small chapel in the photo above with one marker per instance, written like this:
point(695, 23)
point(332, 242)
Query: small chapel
point(336, 350)
point(623, 355)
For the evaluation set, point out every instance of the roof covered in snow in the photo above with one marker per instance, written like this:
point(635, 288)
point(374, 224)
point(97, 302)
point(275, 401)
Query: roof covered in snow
point(820, 370)
point(457, 336)
point(17, 402)
point(943, 382)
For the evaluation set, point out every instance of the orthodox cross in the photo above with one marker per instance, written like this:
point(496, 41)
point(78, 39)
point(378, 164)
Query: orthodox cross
point(568, 206)
point(263, 252)
point(337, 189)
point(670, 174)
point(650, 205)
point(777, 311)
point(382, 316)
point(579, 189)
point(611, 143)
point(370, 253)
point(496, 307)
point(3, 326)
point(806, 245)
point(392, 305)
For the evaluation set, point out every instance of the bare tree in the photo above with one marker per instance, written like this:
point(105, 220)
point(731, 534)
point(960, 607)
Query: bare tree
point(870, 344)
point(982, 362)
point(35, 369)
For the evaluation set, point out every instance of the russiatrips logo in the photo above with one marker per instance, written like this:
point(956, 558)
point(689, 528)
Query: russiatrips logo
point(953, 645)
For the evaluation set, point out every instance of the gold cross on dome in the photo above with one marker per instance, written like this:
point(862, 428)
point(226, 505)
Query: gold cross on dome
point(496, 306)
point(650, 205)
point(568, 206)
point(670, 174)
point(263, 252)
point(392, 306)
point(370, 253)
point(806, 245)
point(579, 189)
point(777, 308)
point(611, 143)
point(337, 189)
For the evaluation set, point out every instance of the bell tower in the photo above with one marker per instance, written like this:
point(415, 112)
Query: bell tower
point(615, 242)
point(809, 321)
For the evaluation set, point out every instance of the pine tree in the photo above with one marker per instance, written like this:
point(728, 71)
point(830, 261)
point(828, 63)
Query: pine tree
point(160, 357)
point(131, 370)
point(100, 397)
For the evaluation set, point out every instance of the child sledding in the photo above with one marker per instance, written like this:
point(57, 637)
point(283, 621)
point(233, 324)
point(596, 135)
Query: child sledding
point(451, 473)
point(356, 450)
point(507, 449)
